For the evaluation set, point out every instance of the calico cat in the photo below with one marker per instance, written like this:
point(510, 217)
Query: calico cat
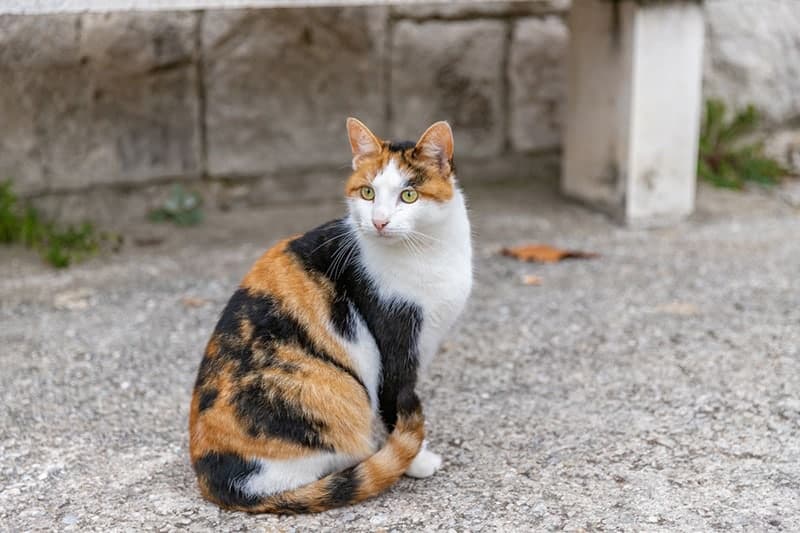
point(305, 398)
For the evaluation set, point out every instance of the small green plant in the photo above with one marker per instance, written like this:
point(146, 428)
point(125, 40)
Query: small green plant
point(727, 158)
point(71, 244)
point(182, 208)
point(59, 246)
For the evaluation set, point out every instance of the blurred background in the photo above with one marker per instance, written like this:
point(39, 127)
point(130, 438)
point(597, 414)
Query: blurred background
point(103, 112)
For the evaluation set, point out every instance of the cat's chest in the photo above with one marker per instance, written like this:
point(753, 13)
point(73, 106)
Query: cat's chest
point(437, 285)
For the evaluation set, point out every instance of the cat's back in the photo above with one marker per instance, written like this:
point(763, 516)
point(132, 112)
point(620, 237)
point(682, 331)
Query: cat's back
point(275, 381)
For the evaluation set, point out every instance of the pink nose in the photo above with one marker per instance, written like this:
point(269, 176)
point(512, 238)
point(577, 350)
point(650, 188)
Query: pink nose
point(379, 224)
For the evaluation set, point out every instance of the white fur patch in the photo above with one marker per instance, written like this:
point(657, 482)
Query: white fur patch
point(364, 353)
point(281, 475)
point(425, 464)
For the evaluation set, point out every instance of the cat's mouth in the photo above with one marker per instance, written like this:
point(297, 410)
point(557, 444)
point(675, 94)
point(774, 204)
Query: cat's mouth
point(388, 235)
point(385, 235)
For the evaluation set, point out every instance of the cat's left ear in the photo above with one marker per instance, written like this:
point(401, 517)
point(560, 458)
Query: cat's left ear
point(436, 145)
point(362, 141)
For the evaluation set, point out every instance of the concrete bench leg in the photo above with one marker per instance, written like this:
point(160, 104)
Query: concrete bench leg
point(634, 107)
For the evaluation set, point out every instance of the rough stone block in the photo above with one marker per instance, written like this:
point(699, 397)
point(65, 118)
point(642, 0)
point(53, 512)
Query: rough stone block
point(280, 83)
point(137, 42)
point(39, 42)
point(149, 127)
point(450, 71)
point(753, 55)
point(119, 114)
point(784, 146)
point(288, 187)
point(41, 122)
point(537, 79)
point(480, 9)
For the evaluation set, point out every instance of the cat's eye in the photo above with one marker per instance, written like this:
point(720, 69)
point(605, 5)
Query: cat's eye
point(367, 193)
point(409, 196)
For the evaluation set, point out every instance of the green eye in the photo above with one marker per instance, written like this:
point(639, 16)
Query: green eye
point(409, 196)
point(367, 193)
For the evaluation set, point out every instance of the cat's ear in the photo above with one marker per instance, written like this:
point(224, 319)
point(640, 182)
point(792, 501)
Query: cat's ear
point(362, 141)
point(436, 145)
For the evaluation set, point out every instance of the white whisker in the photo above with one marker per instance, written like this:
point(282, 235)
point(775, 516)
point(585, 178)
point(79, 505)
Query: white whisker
point(347, 231)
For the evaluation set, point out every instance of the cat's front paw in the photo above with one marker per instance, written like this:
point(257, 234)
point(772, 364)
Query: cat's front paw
point(425, 464)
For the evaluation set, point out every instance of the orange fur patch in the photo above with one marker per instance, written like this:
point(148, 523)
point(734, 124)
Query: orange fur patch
point(305, 298)
point(218, 429)
point(433, 183)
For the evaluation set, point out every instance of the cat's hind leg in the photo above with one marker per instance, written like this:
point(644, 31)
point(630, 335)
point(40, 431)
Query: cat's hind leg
point(425, 464)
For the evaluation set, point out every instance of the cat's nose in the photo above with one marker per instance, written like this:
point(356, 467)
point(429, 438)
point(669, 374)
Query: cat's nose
point(380, 223)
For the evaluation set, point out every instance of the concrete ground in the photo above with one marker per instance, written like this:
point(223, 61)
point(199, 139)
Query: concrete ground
point(656, 388)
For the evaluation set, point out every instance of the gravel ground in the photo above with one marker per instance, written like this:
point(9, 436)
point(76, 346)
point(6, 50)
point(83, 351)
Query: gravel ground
point(654, 388)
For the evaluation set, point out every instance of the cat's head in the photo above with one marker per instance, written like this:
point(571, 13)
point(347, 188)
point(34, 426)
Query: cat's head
point(399, 188)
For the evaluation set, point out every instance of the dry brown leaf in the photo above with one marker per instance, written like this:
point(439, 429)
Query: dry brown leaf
point(543, 253)
point(530, 279)
point(193, 301)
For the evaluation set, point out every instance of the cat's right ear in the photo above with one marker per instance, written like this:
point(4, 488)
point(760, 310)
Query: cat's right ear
point(363, 142)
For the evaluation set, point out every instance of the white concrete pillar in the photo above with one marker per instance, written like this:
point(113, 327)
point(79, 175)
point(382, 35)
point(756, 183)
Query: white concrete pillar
point(633, 107)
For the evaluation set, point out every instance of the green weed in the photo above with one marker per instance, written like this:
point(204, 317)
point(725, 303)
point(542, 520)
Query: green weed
point(182, 208)
point(59, 246)
point(727, 159)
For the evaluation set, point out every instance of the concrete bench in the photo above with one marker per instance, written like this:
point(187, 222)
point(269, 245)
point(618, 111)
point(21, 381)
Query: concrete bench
point(633, 107)
point(633, 103)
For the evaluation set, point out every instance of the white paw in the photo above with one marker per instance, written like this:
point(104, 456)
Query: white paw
point(425, 464)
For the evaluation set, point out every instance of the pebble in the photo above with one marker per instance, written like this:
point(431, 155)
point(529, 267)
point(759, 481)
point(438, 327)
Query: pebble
point(73, 300)
point(378, 519)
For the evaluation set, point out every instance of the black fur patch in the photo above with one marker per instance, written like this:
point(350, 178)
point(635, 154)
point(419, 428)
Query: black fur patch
point(343, 318)
point(408, 402)
point(396, 332)
point(271, 415)
point(400, 146)
point(270, 326)
point(418, 172)
point(316, 248)
point(394, 327)
point(342, 487)
point(207, 368)
point(287, 506)
point(220, 471)
point(207, 399)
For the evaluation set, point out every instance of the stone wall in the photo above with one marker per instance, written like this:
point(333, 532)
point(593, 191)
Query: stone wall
point(753, 57)
point(96, 100)
point(101, 111)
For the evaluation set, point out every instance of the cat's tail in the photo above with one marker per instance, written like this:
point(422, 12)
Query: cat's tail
point(364, 480)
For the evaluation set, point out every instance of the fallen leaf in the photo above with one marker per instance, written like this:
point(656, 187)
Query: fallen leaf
point(530, 279)
point(193, 301)
point(543, 253)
